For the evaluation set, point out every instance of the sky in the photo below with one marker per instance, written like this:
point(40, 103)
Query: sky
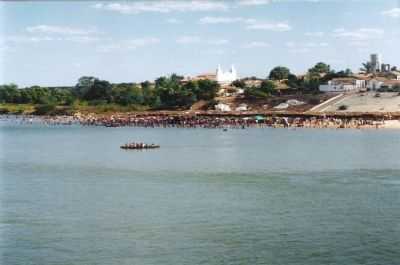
point(53, 43)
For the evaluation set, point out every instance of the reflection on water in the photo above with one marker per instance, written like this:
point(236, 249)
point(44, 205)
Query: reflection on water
point(69, 195)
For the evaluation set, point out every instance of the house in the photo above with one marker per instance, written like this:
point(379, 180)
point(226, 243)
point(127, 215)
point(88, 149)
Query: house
point(376, 83)
point(390, 84)
point(396, 75)
point(345, 84)
point(253, 82)
point(222, 107)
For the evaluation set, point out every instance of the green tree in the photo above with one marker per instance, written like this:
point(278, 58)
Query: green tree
point(149, 93)
point(366, 67)
point(84, 84)
point(293, 81)
point(239, 83)
point(320, 68)
point(9, 93)
point(279, 73)
point(208, 89)
point(264, 91)
point(396, 88)
point(268, 86)
point(100, 90)
point(132, 95)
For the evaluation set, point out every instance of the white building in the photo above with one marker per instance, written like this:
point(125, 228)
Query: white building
point(343, 85)
point(222, 107)
point(375, 83)
point(226, 78)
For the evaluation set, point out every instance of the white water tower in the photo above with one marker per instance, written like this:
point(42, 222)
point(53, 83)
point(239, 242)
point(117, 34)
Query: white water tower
point(376, 62)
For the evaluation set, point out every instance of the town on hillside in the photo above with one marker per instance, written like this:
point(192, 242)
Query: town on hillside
point(375, 88)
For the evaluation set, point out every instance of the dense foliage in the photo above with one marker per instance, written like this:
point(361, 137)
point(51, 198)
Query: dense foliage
point(166, 92)
point(279, 73)
point(266, 88)
point(36, 95)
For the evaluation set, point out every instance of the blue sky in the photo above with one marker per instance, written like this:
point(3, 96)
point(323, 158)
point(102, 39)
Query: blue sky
point(56, 42)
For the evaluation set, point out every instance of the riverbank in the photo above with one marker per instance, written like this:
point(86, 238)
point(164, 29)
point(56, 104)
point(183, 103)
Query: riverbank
point(164, 119)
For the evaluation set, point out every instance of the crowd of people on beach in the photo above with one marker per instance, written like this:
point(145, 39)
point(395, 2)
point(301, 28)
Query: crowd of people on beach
point(198, 121)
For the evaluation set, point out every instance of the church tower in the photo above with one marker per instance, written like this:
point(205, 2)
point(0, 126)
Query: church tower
point(226, 77)
point(233, 72)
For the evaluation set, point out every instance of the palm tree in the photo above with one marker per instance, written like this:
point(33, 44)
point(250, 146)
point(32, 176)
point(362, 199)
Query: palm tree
point(366, 67)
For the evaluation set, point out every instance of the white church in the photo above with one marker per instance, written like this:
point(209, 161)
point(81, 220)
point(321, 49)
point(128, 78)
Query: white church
point(222, 77)
point(226, 78)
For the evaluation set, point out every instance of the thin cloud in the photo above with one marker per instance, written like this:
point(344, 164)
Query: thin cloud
point(317, 34)
point(4, 48)
point(215, 52)
point(251, 24)
point(253, 2)
point(224, 20)
point(37, 39)
point(256, 44)
point(163, 6)
point(24, 39)
point(130, 44)
point(49, 29)
point(188, 40)
point(298, 48)
point(316, 44)
point(198, 40)
point(218, 42)
point(359, 34)
point(272, 26)
point(394, 13)
point(174, 21)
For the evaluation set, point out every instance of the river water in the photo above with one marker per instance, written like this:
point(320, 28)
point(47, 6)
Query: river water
point(70, 195)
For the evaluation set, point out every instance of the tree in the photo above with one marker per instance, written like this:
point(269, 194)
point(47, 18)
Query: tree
point(264, 91)
point(208, 89)
point(312, 82)
point(239, 83)
point(9, 93)
point(320, 68)
point(318, 74)
point(396, 88)
point(176, 79)
point(293, 82)
point(99, 90)
point(366, 67)
point(192, 86)
point(268, 86)
point(254, 92)
point(348, 72)
point(62, 96)
point(127, 93)
point(279, 73)
point(149, 93)
point(166, 89)
point(84, 84)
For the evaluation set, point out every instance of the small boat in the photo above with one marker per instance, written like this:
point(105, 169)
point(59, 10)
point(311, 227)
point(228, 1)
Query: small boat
point(139, 146)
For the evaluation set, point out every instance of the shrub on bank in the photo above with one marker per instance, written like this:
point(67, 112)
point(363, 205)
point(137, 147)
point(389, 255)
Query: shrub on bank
point(46, 109)
point(4, 111)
